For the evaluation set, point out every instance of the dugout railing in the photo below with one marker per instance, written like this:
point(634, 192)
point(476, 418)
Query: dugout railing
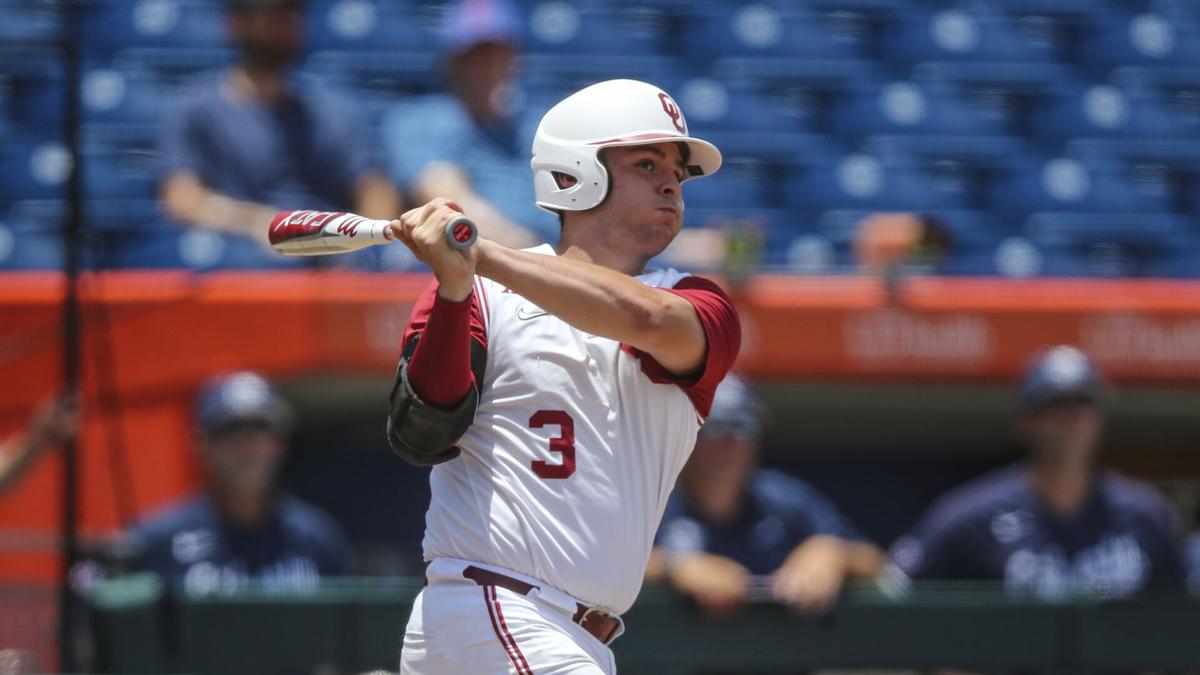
point(355, 625)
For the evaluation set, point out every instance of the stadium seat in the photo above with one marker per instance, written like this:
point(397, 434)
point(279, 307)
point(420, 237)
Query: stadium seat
point(1109, 245)
point(130, 96)
point(166, 245)
point(905, 107)
point(1102, 110)
point(712, 104)
point(109, 26)
point(29, 20)
point(372, 25)
point(22, 249)
point(745, 183)
point(1133, 39)
point(120, 162)
point(34, 166)
point(960, 34)
point(1064, 184)
point(863, 181)
point(758, 29)
point(557, 27)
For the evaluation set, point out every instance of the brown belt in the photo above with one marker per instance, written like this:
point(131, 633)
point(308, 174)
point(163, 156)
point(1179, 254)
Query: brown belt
point(599, 623)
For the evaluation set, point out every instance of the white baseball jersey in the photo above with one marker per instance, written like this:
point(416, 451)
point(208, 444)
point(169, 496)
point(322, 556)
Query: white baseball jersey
point(576, 445)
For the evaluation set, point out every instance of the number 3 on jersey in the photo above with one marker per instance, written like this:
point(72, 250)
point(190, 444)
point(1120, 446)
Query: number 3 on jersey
point(563, 443)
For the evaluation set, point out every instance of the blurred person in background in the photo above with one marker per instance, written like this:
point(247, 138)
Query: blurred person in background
point(1053, 525)
point(472, 144)
point(242, 145)
point(52, 423)
point(242, 528)
point(730, 521)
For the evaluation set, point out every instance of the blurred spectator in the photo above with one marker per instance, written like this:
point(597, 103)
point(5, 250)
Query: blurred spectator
point(1053, 525)
point(52, 424)
point(255, 139)
point(242, 528)
point(473, 145)
point(890, 245)
point(733, 529)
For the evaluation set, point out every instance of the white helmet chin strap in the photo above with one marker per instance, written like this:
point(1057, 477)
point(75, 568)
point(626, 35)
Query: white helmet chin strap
point(615, 113)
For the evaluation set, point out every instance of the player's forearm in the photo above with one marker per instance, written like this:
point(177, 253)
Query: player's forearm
point(375, 197)
point(591, 298)
point(190, 202)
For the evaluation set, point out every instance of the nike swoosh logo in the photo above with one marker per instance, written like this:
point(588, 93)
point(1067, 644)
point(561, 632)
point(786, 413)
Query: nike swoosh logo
point(525, 314)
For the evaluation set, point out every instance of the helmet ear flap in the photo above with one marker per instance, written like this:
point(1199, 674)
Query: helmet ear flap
point(568, 177)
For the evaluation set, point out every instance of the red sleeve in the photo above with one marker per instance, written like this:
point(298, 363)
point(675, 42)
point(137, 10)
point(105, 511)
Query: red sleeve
point(439, 369)
point(723, 332)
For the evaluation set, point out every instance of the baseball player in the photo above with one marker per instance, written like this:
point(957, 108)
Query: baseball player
point(1055, 525)
point(557, 391)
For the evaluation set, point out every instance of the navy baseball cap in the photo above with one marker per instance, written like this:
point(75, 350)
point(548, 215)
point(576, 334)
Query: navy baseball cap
point(467, 23)
point(1059, 374)
point(735, 409)
point(241, 398)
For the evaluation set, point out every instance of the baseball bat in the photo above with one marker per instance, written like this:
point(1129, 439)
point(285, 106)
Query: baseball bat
point(329, 232)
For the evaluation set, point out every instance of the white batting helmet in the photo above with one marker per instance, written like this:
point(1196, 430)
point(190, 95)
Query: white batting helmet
point(567, 172)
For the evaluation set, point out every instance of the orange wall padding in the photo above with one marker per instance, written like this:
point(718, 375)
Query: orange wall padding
point(161, 334)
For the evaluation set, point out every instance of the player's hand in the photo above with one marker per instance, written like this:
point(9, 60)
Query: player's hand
point(423, 231)
point(810, 580)
point(718, 584)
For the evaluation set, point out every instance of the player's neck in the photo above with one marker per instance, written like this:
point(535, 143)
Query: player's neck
point(576, 247)
point(1063, 487)
point(257, 83)
point(242, 510)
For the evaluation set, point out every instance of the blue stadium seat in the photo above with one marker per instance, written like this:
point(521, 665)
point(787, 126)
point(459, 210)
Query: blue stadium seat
point(713, 104)
point(567, 28)
point(376, 76)
point(552, 71)
point(906, 107)
point(171, 64)
point(1064, 184)
point(818, 74)
point(1132, 39)
point(129, 96)
point(109, 26)
point(1102, 110)
point(863, 181)
point(759, 29)
point(960, 34)
point(1110, 245)
point(372, 25)
point(22, 249)
point(29, 20)
point(34, 167)
point(742, 182)
point(165, 245)
point(120, 162)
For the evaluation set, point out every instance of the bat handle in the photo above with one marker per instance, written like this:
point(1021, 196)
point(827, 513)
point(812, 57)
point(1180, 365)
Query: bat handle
point(461, 233)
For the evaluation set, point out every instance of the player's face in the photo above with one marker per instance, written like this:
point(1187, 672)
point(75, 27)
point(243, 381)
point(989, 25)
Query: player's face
point(720, 467)
point(243, 459)
point(269, 38)
point(1064, 433)
point(644, 208)
point(481, 76)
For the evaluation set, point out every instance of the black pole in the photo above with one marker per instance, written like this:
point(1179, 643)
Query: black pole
point(72, 263)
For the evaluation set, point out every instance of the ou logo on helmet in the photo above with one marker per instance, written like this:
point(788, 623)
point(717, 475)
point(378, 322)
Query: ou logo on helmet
point(673, 112)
